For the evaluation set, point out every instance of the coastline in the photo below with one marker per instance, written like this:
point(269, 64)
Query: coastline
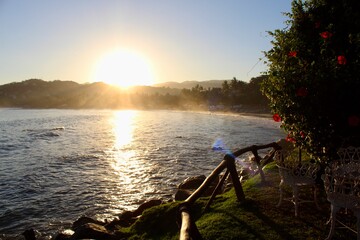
point(245, 110)
point(248, 111)
point(157, 220)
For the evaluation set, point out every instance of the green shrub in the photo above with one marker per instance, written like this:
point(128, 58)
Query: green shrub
point(314, 74)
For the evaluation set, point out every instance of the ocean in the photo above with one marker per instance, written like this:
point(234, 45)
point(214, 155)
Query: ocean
point(58, 165)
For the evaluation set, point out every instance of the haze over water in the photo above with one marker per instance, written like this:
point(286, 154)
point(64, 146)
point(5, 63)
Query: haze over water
point(56, 165)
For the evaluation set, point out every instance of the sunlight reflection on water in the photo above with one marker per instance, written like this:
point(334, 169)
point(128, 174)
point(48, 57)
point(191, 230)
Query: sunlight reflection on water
point(123, 127)
point(130, 168)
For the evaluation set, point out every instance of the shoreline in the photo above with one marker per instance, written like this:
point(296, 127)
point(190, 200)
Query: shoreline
point(248, 112)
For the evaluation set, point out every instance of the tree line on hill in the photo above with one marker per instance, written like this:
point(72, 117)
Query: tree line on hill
point(36, 93)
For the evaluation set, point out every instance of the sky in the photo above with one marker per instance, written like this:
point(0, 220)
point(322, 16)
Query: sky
point(180, 40)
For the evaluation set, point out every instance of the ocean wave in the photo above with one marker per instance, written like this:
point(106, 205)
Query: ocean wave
point(45, 134)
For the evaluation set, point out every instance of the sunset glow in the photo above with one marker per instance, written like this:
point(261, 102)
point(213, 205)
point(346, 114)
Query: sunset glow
point(123, 68)
point(136, 42)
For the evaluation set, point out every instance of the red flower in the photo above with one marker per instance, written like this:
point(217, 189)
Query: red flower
point(341, 60)
point(292, 54)
point(353, 121)
point(302, 134)
point(277, 117)
point(289, 138)
point(301, 92)
point(326, 34)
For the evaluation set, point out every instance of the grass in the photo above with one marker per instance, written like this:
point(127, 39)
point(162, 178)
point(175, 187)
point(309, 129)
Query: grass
point(256, 218)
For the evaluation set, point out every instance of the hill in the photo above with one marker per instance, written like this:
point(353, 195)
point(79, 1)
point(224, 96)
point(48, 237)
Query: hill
point(191, 84)
point(191, 95)
point(37, 93)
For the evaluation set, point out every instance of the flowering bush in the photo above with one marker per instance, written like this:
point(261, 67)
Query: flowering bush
point(314, 75)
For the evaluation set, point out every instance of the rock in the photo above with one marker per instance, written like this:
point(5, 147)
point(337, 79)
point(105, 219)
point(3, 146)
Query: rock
point(84, 220)
point(146, 205)
point(189, 185)
point(192, 182)
point(183, 194)
point(92, 231)
point(62, 236)
point(126, 215)
point(29, 234)
point(125, 220)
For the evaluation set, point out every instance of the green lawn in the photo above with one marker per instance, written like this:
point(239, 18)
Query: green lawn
point(256, 218)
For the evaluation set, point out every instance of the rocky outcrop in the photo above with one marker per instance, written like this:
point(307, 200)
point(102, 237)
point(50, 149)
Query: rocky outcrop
point(29, 234)
point(89, 228)
point(192, 182)
point(189, 185)
point(93, 231)
point(127, 218)
point(146, 205)
point(182, 194)
point(85, 220)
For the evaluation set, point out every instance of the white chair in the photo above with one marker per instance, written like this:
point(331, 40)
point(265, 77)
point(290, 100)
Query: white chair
point(349, 154)
point(295, 173)
point(342, 186)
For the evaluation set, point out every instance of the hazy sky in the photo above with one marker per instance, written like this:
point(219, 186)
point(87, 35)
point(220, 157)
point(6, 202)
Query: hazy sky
point(180, 39)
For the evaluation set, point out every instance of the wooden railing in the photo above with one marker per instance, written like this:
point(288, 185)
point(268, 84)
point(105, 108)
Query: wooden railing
point(188, 229)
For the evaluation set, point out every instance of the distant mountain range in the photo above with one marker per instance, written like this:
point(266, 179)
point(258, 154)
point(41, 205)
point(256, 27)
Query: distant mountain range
point(191, 84)
point(37, 93)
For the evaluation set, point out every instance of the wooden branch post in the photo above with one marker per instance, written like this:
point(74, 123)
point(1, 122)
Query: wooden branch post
point(257, 160)
point(188, 230)
point(230, 161)
point(216, 191)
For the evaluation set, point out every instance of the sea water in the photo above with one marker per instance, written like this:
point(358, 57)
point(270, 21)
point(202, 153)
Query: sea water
point(58, 165)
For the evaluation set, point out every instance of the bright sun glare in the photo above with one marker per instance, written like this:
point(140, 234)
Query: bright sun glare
point(123, 123)
point(124, 68)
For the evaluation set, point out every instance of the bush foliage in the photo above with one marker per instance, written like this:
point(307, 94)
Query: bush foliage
point(314, 70)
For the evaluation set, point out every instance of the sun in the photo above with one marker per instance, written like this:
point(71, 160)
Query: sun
point(123, 68)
